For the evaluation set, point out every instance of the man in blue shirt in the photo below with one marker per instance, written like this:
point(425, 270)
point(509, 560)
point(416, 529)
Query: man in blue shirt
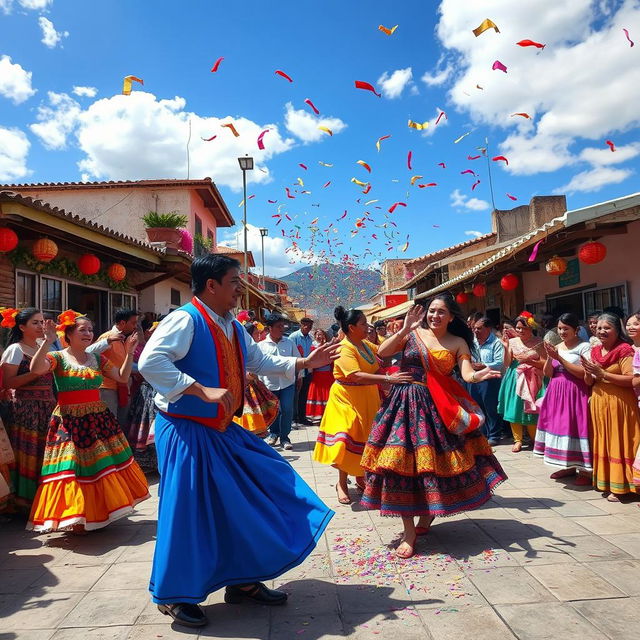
point(490, 352)
point(303, 342)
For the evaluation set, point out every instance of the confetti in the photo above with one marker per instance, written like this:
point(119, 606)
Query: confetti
point(366, 86)
point(380, 140)
point(260, 137)
point(389, 32)
point(284, 75)
point(313, 106)
point(626, 33)
point(216, 65)
point(484, 25)
point(498, 66)
point(126, 84)
point(530, 43)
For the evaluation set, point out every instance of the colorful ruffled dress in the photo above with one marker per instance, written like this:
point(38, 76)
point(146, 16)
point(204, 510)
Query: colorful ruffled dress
point(27, 423)
point(562, 437)
point(260, 408)
point(350, 411)
point(89, 476)
point(415, 465)
point(636, 373)
point(319, 389)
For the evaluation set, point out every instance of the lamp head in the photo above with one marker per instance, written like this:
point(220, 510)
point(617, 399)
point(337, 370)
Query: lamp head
point(264, 232)
point(246, 163)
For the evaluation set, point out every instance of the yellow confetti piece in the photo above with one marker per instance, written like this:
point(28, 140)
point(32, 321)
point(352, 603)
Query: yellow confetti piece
point(362, 163)
point(324, 164)
point(300, 182)
point(126, 84)
point(484, 25)
point(386, 30)
point(325, 129)
point(414, 178)
point(359, 182)
point(418, 125)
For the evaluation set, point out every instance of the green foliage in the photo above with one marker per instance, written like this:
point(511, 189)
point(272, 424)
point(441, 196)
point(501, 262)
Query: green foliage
point(64, 268)
point(171, 220)
point(202, 245)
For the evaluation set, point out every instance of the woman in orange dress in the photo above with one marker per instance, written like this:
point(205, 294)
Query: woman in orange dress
point(613, 408)
point(89, 477)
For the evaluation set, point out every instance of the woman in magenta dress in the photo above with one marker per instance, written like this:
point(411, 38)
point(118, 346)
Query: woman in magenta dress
point(562, 436)
point(426, 455)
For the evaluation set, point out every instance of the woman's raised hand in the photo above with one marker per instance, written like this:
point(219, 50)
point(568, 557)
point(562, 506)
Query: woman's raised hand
point(50, 334)
point(131, 342)
point(413, 319)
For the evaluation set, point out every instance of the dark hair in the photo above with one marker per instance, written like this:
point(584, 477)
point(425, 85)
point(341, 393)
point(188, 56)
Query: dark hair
point(458, 326)
point(379, 323)
point(250, 328)
point(69, 329)
point(548, 321)
point(146, 323)
point(570, 319)
point(616, 322)
point(595, 314)
point(487, 322)
point(614, 310)
point(22, 317)
point(124, 315)
point(524, 321)
point(47, 315)
point(306, 320)
point(635, 314)
point(346, 318)
point(475, 316)
point(212, 266)
point(274, 318)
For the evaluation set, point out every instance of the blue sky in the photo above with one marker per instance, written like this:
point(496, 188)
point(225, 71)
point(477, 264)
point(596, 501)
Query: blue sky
point(581, 90)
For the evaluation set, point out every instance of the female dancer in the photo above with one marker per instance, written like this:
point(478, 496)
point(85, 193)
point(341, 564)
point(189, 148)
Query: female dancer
point(522, 383)
point(633, 331)
point(353, 402)
point(89, 477)
point(32, 404)
point(615, 417)
point(321, 382)
point(563, 425)
point(426, 455)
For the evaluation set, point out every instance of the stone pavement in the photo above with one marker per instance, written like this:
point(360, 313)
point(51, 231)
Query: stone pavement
point(543, 559)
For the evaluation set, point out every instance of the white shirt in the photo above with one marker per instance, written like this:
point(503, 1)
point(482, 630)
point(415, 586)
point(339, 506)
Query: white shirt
point(287, 348)
point(171, 341)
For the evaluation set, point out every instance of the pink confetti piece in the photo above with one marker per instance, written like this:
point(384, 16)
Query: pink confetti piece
point(498, 66)
point(534, 253)
point(626, 33)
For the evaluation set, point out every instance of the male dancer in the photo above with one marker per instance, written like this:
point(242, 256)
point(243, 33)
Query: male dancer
point(232, 511)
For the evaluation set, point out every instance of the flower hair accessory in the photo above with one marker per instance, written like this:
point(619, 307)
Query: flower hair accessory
point(68, 318)
point(531, 321)
point(8, 318)
point(243, 317)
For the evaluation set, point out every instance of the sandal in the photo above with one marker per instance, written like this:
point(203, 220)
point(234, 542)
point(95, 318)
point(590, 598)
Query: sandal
point(612, 497)
point(562, 473)
point(346, 500)
point(517, 447)
point(405, 555)
point(422, 531)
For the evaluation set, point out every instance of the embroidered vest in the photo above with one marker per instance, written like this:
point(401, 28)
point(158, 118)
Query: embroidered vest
point(213, 361)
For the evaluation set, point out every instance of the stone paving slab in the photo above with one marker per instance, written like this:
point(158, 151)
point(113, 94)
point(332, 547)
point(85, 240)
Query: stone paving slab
point(542, 559)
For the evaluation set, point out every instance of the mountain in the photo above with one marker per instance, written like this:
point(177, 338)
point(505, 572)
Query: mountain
point(320, 288)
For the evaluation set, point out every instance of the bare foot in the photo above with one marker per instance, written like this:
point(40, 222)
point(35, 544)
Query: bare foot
point(405, 549)
point(612, 497)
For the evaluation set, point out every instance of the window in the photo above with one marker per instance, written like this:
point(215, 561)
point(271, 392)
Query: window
point(537, 308)
point(175, 298)
point(25, 290)
point(122, 301)
point(198, 226)
point(51, 295)
point(609, 297)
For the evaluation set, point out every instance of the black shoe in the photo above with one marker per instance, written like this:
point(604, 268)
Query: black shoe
point(184, 613)
point(258, 593)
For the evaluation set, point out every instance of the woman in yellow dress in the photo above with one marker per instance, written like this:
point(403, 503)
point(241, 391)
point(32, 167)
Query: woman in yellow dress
point(353, 401)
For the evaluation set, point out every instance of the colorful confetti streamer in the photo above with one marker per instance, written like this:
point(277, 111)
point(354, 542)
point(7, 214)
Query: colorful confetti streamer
point(484, 25)
point(260, 139)
point(359, 84)
point(498, 66)
point(284, 75)
point(313, 106)
point(386, 30)
point(126, 84)
point(216, 65)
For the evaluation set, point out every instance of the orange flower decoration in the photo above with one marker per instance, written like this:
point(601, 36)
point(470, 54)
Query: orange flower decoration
point(8, 318)
point(67, 318)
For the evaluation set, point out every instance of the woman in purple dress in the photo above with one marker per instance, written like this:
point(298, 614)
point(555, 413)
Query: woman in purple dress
point(563, 425)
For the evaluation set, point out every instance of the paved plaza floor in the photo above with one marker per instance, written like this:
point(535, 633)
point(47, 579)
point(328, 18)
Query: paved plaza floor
point(543, 559)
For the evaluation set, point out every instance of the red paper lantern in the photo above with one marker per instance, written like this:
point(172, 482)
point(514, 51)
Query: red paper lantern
point(462, 298)
point(8, 239)
point(592, 252)
point(44, 250)
point(479, 290)
point(509, 282)
point(556, 266)
point(89, 264)
point(117, 272)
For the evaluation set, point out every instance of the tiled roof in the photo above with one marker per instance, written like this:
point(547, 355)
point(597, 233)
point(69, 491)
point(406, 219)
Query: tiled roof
point(447, 250)
point(41, 205)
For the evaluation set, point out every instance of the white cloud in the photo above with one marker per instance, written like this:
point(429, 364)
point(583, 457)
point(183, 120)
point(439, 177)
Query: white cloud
point(14, 149)
point(461, 201)
point(85, 92)
point(604, 156)
point(139, 136)
point(392, 85)
point(433, 127)
point(595, 179)
point(583, 85)
point(33, 5)
point(277, 261)
point(50, 37)
point(15, 82)
point(439, 75)
point(473, 234)
point(304, 125)
point(57, 120)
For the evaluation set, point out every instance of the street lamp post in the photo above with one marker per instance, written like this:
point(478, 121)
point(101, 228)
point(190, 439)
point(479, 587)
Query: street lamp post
point(263, 234)
point(246, 164)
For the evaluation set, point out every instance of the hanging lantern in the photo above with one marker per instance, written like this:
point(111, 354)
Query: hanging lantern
point(592, 252)
point(479, 290)
point(44, 250)
point(462, 298)
point(556, 266)
point(117, 272)
point(8, 239)
point(509, 282)
point(89, 264)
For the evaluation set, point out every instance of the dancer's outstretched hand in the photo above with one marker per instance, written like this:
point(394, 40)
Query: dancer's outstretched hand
point(413, 319)
point(487, 374)
point(322, 356)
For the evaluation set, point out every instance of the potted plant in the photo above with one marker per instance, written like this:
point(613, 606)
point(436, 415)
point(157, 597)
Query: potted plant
point(164, 227)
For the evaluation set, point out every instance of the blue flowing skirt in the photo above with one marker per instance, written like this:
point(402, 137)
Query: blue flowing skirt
point(232, 511)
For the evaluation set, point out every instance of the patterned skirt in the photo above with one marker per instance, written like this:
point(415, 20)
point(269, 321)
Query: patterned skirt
point(260, 409)
point(318, 395)
point(142, 413)
point(417, 467)
point(89, 476)
point(27, 426)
